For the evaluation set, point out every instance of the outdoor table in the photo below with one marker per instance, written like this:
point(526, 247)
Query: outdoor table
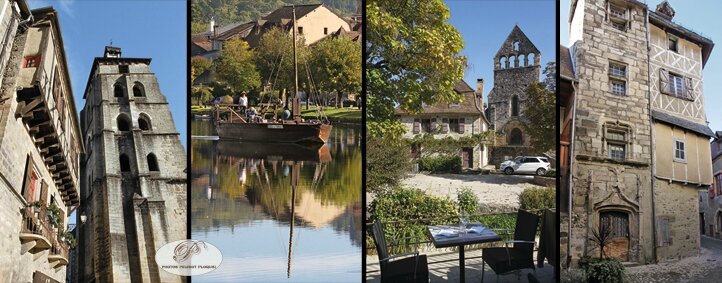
point(470, 238)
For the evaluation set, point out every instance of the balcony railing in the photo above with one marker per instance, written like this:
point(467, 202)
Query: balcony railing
point(35, 227)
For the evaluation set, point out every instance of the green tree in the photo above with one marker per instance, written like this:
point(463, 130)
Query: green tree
point(199, 64)
point(275, 58)
point(201, 94)
point(542, 111)
point(387, 162)
point(235, 67)
point(413, 59)
point(336, 65)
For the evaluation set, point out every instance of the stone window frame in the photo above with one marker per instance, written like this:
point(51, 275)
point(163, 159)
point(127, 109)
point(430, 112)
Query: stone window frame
point(668, 79)
point(455, 125)
point(618, 16)
point(683, 150)
point(618, 73)
point(617, 134)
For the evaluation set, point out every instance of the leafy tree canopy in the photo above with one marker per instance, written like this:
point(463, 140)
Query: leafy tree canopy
point(413, 59)
point(274, 58)
point(542, 112)
point(235, 67)
point(337, 65)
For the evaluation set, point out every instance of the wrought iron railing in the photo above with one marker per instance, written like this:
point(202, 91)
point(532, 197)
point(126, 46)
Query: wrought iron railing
point(35, 221)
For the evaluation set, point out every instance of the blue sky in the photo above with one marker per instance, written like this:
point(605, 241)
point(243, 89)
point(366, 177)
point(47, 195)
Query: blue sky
point(701, 17)
point(484, 25)
point(145, 29)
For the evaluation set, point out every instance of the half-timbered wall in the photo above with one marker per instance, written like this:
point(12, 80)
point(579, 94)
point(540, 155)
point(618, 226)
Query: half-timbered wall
point(687, 62)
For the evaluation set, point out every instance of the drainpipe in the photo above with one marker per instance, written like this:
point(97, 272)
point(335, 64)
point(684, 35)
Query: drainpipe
point(571, 170)
point(651, 134)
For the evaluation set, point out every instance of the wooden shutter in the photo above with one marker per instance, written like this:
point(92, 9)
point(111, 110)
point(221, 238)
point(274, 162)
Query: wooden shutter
point(445, 125)
point(433, 125)
point(461, 125)
point(417, 126)
point(689, 88)
point(663, 236)
point(664, 84)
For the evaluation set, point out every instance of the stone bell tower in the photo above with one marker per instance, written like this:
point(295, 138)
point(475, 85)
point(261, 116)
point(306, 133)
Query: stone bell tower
point(133, 188)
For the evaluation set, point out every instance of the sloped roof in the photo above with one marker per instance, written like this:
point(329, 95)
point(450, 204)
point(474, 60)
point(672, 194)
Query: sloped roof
point(565, 64)
point(680, 122)
point(466, 106)
point(286, 12)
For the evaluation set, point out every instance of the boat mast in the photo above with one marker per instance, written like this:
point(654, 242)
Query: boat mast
point(295, 172)
point(296, 99)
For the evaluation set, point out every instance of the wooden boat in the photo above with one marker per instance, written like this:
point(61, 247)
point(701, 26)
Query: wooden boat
point(237, 127)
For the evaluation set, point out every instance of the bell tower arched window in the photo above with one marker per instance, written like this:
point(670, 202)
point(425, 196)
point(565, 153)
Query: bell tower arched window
point(123, 123)
point(152, 162)
point(118, 90)
point(124, 163)
point(138, 90)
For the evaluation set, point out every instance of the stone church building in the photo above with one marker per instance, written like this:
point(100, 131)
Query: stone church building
point(638, 138)
point(516, 66)
point(133, 180)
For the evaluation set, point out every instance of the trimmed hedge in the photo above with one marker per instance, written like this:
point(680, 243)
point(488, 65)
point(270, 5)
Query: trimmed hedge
point(405, 204)
point(602, 270)
point(443, 163)
point(534, 199)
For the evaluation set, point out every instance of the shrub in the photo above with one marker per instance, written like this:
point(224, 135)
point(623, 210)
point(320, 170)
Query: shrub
point(468, 201)
point(604, 270)
point(386, 163)
point(533, 199)
point(443, 163)
point(409, 204)
point(551, 173)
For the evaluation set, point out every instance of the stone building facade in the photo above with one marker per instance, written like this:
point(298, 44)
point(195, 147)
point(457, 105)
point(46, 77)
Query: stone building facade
point(454, 120)
point(40, 143)
point(638, 80)
point(516, 66)
point(710, 202)
point(134, 185)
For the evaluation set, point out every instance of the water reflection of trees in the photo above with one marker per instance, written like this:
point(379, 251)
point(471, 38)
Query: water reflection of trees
point(230, 189)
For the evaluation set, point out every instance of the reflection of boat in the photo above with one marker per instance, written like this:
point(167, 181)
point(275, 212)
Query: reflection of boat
point(238, 127)
point(289, 152)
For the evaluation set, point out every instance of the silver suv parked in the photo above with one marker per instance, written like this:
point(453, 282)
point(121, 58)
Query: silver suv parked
point(526, 164)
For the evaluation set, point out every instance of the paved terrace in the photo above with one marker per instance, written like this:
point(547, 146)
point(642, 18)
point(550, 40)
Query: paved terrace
point(444, 267)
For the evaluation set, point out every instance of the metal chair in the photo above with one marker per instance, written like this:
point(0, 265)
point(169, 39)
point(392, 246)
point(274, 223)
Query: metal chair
point(408, 267)
point(506, 259)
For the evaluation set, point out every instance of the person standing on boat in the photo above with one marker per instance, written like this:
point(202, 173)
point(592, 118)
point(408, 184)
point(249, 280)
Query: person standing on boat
point(243, 102)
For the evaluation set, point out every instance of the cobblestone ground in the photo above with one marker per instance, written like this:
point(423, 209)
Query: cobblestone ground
point(707, 267)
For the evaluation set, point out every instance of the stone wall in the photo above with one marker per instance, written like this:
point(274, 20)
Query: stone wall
point(678, 203)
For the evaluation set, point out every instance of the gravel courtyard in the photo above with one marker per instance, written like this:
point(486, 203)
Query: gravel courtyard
point(493, 190)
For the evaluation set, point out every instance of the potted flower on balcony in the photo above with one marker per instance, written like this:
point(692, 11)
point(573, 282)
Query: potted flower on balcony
point(36, 207)
point(54, 215)
point(67, 237)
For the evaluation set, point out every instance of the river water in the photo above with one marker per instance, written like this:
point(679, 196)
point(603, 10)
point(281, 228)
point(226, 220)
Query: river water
point(278, 212)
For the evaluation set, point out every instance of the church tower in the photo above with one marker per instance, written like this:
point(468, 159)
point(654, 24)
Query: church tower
point(133, 191)
point(516, 67)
